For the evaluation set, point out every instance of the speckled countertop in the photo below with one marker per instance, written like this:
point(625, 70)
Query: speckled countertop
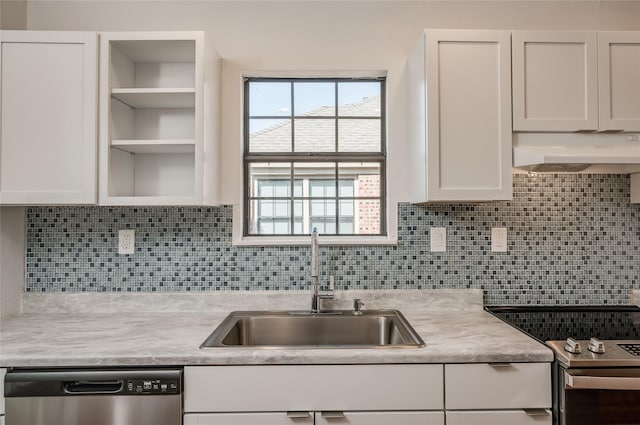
point(167, 329)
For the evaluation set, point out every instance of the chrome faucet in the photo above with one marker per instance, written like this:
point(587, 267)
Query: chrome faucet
point(318, 296)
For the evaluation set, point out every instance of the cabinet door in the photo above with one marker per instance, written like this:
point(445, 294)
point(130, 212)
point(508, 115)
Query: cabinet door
point(468, 115)
point(2, 373)
point(555, 85)
point(502, 417)
point(277, 418)
point(48, 113)
point(498, 386)
point(313, 387)
point(619, 80)
point(635, 188)
point(380, 418)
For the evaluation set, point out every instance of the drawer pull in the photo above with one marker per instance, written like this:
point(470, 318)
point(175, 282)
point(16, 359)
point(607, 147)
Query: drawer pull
point(298, 415)
point(537, 412)
point(332, 415)
point(500, 365)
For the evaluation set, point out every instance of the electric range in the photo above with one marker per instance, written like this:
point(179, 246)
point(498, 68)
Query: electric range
point(596, 373)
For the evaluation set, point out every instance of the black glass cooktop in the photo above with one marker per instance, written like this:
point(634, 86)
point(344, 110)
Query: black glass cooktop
point(584, 322)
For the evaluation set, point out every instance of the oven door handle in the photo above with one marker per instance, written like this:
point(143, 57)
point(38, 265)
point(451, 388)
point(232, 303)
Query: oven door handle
point(585, 382)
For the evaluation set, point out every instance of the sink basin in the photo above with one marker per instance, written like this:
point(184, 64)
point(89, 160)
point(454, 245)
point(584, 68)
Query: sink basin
point(299, 329)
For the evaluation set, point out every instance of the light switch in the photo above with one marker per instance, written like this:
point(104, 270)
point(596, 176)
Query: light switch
point(499, 239)
point(438, 239)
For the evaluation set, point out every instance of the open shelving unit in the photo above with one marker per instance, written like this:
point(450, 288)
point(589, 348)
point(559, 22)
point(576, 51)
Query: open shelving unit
point(151, 137)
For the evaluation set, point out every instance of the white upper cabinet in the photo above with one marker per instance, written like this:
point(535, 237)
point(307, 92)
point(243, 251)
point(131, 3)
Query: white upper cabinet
point(555, 81)
point(151, 118)
point(576, 81)
point(48, 117)
point(460, 116)
point(619, 80)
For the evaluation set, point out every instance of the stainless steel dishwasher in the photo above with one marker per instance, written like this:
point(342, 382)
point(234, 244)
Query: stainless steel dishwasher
point(94, 397)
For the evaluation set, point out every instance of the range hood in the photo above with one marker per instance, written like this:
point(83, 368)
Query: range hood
point(577, 152)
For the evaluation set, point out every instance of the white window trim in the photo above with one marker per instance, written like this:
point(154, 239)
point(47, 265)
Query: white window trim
point(390, 239)
point(238, 239)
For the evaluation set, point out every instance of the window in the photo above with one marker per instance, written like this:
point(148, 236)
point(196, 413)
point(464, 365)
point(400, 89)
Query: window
point(314, 156)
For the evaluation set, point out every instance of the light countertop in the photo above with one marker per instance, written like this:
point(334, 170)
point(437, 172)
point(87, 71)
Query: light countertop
point(167, 329)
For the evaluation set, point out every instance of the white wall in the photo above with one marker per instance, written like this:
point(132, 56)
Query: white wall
point(323, 35)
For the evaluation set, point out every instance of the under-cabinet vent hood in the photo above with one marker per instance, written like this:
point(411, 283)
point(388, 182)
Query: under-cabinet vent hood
point(567, 155)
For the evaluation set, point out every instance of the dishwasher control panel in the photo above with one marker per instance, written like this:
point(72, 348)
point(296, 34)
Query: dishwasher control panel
point(152, 386)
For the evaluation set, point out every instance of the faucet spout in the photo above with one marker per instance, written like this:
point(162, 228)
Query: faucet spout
point(318, 296)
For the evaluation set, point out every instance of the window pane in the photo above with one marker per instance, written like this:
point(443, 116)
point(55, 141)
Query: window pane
point(281, 209)
point(317, 208)
point(266, 135)
point(266, 228)
point(270, 98)
point(315, 135)
point(266, 208)
point(264, 177)
point(281, 188)
point(314, 98)
point(361, 99)
point(346, 187)
point(288, 197)
point(346, 226)
point(324, 226)
point(368, 216)
point(366, 176)
point(359, 135)
point(297, 188)
point(346, 208)
point(322, 188)
point(281, 227)
point(313, 171)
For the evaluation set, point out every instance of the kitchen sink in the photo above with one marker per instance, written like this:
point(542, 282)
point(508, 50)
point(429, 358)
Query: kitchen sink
point(301, 329)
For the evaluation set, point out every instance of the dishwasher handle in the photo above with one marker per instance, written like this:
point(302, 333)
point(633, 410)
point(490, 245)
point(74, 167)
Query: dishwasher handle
point(94, 387)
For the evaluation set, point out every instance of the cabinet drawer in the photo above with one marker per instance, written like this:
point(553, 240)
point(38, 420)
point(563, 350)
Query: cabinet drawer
point(498, 386)
point(504, 417)
point(313, 388)
point(277, 418)
point(383, 418)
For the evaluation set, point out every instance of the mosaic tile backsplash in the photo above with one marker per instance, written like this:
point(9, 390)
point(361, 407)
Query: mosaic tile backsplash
point(573, 238)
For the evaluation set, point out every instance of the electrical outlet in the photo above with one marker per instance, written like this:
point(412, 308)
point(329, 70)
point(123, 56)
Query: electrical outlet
point(499, 239)
point(438, 239)
point(126, 241)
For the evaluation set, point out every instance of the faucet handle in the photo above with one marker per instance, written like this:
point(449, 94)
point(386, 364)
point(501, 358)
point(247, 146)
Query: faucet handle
point(357, 306)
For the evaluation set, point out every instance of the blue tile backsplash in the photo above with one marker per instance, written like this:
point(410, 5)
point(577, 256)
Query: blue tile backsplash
point(573, 238)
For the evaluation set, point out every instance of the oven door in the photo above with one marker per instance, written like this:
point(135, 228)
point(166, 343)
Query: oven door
point(608, 396)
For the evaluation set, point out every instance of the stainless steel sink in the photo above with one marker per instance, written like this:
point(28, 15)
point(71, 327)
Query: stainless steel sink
point(298, 329)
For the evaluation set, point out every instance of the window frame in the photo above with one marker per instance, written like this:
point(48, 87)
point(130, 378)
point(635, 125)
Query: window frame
point(335, 158)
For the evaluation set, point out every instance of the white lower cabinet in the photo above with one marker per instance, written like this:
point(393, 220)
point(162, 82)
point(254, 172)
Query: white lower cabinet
point(314, 394)
point(400, 394)
point(2, 373)
point(500, 417)
point(382, 418)
point(326, 418)
point(272, 418)
point(498, 394)
point(498, 386)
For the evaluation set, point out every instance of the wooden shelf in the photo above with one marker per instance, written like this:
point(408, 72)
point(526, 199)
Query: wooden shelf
point(156, 97)
point(156, 146)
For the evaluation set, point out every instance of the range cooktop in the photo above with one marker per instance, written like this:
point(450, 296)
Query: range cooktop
point(582, 322)
point(591, 336)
